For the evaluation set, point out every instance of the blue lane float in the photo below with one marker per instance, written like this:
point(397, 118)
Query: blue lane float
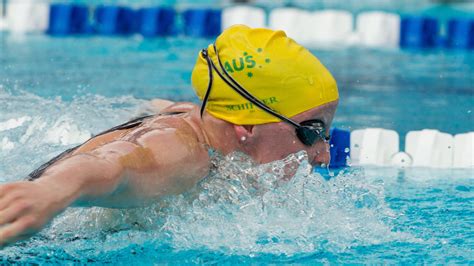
point(156, 21)
point(460, 34)
point(105, 20)
point(80, 23)
point(68, 19)
point(115, 20)
point(202, 22)
point(339, 147)
point(127, 21)
point(419, 32)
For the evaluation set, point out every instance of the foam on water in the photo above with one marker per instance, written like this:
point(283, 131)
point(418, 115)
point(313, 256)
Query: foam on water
point(247, 209)
point(40, 128)
point(240, 208)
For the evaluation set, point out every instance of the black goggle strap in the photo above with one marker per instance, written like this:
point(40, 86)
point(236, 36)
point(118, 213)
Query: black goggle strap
point(244, 93)
point(306, 133)
point(209, 86)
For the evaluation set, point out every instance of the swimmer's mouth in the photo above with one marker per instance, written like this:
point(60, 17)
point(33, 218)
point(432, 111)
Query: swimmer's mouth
point(315, 163)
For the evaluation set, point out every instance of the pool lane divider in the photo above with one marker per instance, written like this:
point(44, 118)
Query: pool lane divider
point(339, 147)
point(202, 22)
point(380, 147)
point(335, 27)
point(156, 21)
point(25, 16)
point(115, 20)
point(108, 20)
point(419, 32)
point(68, 19)
point(460, 34)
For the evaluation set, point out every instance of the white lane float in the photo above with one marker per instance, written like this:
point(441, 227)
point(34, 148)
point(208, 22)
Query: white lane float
point(430, 148)
point(464, 150)
point(3, 21)
point(295, 22)
point(378, 29)
point(401, 159)
point(27, 16)
point(329, 27)
point(253, 17)
point(373, 146)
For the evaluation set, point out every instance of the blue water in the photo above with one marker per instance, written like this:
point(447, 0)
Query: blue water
point(66, 89)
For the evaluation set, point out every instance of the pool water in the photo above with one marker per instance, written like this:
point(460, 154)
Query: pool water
point(54, 93)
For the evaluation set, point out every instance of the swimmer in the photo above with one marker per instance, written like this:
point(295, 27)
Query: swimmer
point(262, 94)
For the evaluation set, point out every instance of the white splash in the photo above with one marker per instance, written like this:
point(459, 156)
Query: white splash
point(244, 208)
point(6, 144)
point(65, 132)
point(13, 123)
point(35, 129)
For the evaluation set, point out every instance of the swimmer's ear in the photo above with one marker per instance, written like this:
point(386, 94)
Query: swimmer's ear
point(243, 131)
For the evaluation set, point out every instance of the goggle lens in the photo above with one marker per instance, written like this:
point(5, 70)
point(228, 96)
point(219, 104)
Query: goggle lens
point(310, 131)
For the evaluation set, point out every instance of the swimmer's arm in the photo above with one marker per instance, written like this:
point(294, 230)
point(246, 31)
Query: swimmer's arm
point(124, 174)
point(117, 174)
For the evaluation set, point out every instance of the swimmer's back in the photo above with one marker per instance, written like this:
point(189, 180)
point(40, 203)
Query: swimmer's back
point(178, 120)
point(169, 117)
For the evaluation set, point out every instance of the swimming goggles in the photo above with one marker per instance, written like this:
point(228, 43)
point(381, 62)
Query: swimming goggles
point(308, 132)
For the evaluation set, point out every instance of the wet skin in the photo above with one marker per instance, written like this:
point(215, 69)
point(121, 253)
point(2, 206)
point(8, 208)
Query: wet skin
point(135, 167)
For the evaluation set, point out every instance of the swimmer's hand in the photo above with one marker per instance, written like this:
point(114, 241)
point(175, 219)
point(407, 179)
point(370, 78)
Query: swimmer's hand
point(26, 207)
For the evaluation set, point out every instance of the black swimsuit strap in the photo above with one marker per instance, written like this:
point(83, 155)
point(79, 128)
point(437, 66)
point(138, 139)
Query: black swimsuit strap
point(130, 124)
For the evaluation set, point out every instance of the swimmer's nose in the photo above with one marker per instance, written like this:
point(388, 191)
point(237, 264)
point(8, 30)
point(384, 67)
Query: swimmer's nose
point(322, 156)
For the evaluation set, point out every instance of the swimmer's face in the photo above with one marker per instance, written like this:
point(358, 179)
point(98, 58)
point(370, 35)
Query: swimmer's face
point(275, 141)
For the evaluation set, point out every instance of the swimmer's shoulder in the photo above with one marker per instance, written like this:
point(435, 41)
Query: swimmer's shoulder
point(177, 115)
point(184, 117)
point(179, 107)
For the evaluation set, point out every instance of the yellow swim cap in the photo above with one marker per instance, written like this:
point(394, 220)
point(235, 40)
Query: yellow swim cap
point(282, 74)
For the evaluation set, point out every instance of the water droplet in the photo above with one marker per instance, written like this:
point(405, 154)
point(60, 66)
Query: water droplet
point(346, 150)
point(348, 161)
point(469, 111)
